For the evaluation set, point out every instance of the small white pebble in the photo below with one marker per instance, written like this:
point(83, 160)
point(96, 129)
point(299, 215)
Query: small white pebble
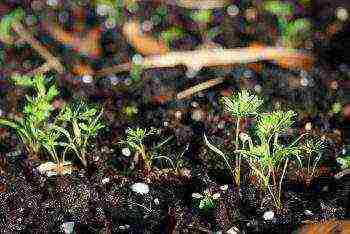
point(308, 212)
point(137, 59)
point(127, 82)
point(126, 152)
point(248, 74)
point(147, 26)
point(233, 230)
point(216, 196)
point(244, 136)
point(140, 188)
point(197, 115)
point(114, 80)
point(165, 123)
point(232, 10)
point(342, 14)
point(110, 23)
point(257, 88)
point(196, 195)
point(304, 81)
point(105, 180)
point(87, 79)
point(194, 104)
point(156, 201)
point(178, 114)
point(224, 187)
point(221, 125)
point(103, 9)
point(268, 215)
point(52, 3)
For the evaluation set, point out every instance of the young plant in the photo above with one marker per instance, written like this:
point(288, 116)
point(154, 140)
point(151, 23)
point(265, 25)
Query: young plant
point(84, 123)
point(206, 200)
point(135, 140)
point(241, 105)
point(37, 111)
point(292, 32)
point(310, 154)
point(268, 158)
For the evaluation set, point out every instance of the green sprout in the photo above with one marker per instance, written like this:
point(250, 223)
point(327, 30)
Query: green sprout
point(37, 111)
point(291, 31)
point(239, 106)
point(7, 22)
point(268, 158)
point(84, 123)
point(172, 34)
point(206, 200)
point(135, 140)
point(310, 154)
point(202, 16)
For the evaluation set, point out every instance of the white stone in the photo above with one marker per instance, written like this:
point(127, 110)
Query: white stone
point(304, 81)
point(257, 88)
point(87, 79)
point(156, 201)
point(308, 212)
point(137, 59)
point(140, 188)
point(341, 13)
point(216, 196)
point(196, 195)
point(110, 23)
point(68, 227)
point(114, 80)
point(268, 215)
point(147, 26)
point(105, 180)
point(103, 9)
point(52, 2)
point(233, 230)
point(126, 152)
point(197, 115)
point(232, 10)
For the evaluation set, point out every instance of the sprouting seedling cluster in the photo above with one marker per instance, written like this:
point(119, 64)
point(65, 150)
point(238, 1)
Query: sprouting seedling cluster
point(41, 130)
point(292, 31)
point(265, 153)
point(207, 200)
point(135, 140)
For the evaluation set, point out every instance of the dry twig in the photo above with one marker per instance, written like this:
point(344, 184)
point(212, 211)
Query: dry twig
point(200, 87)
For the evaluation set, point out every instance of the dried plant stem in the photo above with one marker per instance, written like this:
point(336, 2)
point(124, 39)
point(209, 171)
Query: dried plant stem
point(198, 59)
point(51, 61)
point(198, 4)
point(200, 87)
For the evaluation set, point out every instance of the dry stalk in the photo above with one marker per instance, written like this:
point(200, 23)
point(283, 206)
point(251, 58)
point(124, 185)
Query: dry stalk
point(51, 61)
point(144, 44)
point(197, 59)
point(200, 87)
point(198, 4)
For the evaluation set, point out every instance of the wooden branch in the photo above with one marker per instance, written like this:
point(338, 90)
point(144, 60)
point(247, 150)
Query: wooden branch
point(199, 4)
point(206, 58)
point(197, 59)
point(51, 61)
point(200, 87)
point(143, 43)
point(88, 45)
